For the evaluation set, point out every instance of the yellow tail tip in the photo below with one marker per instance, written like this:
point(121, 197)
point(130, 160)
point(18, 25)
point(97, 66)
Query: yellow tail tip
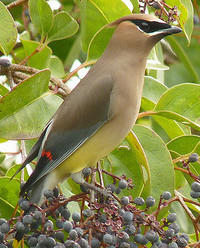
point(16, 243)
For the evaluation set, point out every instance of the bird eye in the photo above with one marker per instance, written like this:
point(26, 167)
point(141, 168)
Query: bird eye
point(144, 26)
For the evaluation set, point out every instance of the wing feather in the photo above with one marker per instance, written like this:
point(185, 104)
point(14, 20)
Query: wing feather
point(80, 116)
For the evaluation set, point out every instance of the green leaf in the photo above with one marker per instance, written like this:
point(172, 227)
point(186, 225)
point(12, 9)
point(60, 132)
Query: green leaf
point(129, 159)
point(41, 59)
point(153, 89)
point(179, 118)
point(181, 103)
point(189, 24)
point(3, 90)
point(99, 43)
point(153, 63)
point(183, 56)
point(8, 30)
point(41, 16)
point(27, 108)
point(159, 162)
point(2, 157)
point(12, 171)
point(56, 67)
point(136, 8)
point(182, 218)
point(185, 145)
point(63, 27)
point(9, 195)
point(96, 14)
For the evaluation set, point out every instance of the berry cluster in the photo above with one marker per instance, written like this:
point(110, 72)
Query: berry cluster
point(108, 221)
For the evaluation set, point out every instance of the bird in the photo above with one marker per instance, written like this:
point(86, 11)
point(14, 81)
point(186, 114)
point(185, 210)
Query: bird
point(100, 111)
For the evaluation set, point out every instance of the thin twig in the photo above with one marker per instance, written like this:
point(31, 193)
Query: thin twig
point(71, 74)
point(16, 3)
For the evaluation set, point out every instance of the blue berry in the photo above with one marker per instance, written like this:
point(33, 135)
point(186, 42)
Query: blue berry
point(4, 228)
point(140, 239)
point(193, 158)
point(95, 243)
point(19, 227)
point(25, 205)
point(67, 226)
point(130, 229)
point(27, 219)
point(194, 194)
point(128, 216)
point(76, 217)
point(48, 225)
point(172, 245)
point(73, 234)
point(195, 186)
point(84, 243)
point(111, 187)
point(87, 213)
point(171, 217)
point(86, 172)
point(48, 193)
point(65, 213)
point(150, 235)
point(5, 63)
point(32, 241)
point(139, 201)
point(123, 184)
point(169, 233)
point(166, 195)
point(125, 200)
point(150, 201)
point(124, 245)
point(175, 227)
point(108, 239)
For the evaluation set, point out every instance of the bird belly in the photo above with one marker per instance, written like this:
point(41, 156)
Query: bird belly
point(104, 141)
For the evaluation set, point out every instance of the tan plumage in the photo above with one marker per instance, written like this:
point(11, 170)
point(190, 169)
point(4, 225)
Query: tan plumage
point(98, 114)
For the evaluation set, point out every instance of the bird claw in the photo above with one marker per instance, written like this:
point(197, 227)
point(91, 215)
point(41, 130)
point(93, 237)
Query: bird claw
point(104, 192)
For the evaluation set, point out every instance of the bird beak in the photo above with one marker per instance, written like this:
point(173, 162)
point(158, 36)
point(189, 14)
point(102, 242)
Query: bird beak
point(172, 30)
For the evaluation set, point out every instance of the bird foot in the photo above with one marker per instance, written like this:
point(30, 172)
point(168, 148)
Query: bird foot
point(104, 192)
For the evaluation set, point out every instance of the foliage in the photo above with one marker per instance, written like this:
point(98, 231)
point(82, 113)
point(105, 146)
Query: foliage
point(155, 153)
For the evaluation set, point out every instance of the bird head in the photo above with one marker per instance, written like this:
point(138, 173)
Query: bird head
point(141, 31)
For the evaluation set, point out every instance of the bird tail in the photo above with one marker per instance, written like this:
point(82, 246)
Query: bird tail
point(37, 190)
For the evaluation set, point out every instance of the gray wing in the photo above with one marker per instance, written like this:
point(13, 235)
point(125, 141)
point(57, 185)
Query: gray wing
point(78, 118)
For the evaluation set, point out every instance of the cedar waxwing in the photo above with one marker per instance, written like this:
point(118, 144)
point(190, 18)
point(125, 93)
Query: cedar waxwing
point(98, 114)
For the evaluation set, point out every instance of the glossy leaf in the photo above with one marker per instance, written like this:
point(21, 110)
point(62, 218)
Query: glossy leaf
point(63, 27)
point(8, 30)
point(181, 103)
point(153, 89)
point(159, 162)
point(41, 59)
point(56, 67)
point(3, 90)
point(27, 108)
point(41, 15)
point(9, 196)
point(185, 145)
point(153, 62)
point(130, 160)
point(183, 56)
point(96, 14)
point(136, 8)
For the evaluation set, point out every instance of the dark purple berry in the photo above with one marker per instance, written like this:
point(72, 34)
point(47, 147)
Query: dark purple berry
point(193, 158)
point(139, 201)
point(166, 195)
